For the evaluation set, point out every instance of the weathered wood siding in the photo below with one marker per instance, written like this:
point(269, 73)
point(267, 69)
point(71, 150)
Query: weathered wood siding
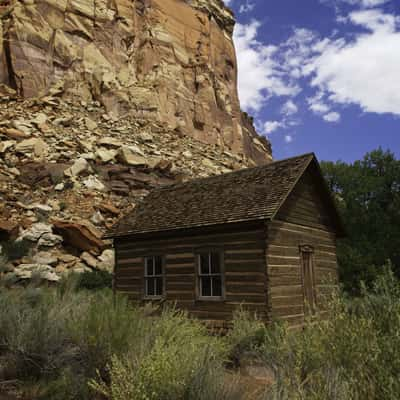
point(303, 220)
point(244, 265)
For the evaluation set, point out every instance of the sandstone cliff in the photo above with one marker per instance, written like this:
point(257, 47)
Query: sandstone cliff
point(101, 101)
point(171, 61)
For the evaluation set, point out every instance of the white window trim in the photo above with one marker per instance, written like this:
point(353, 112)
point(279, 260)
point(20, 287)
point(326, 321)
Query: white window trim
point(220, 275)
point(146, 277)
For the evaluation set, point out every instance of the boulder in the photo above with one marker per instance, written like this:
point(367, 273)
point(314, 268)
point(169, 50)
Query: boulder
point(50, 240)
point(79, 166)
point(165, 166)
point(27, 271)
point(106, 261)
point(110, 142)
point(80, 268)
point(42, 208)
point(129, 157)
point(187, 154)
point(40, 119)
point(35, 232)
point(146, 136)
point(8, 230)
point(97, 218)
point(94, 184)
point(14, 133)
point(105, 155)
point(90, 124)
point(35, 146)
point(90, 260)
point(67, 258)
point(45, 258)
point(108, 208)
point(208, 163)
point(7, 144)
point(82, 236)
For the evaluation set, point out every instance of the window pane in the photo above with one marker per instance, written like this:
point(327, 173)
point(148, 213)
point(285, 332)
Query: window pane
point(205, 287)
point(149, 266)
point(215, 263)
point(158, 265)
point(159, 287)
point(150, 287)
point(204, 263)
point(217, 287)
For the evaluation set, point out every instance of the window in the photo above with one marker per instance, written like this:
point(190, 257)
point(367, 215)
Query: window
point(210, 276)
point(307, 261)
point(154, 276)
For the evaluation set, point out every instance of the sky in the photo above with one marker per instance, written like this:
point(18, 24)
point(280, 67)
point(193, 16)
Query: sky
point(321, 75)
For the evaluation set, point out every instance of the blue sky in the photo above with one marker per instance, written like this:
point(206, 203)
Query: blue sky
point(321, 75)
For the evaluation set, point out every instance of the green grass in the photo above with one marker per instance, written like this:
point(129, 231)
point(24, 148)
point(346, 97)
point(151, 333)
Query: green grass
point(69, 344)
point(353, 352)
point(76, 344)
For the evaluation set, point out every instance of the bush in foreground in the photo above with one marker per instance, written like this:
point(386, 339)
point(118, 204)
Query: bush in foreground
point(353, 352)
point(69, 344)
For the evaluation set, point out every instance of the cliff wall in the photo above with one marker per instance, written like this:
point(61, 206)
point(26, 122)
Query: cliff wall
point(170, 61)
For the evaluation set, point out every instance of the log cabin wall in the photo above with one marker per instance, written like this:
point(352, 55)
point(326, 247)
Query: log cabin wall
point(303, 220)
point(244, 266)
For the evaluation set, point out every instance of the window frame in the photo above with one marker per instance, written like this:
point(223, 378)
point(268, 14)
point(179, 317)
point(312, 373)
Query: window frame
point(146, 277)
point(199, 275)
point(308, 308)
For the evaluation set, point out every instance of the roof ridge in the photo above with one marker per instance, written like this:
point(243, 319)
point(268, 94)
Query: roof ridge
point(260, 167)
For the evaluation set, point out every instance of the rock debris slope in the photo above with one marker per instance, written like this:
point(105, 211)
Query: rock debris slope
point(172, 61)
point(101, 101)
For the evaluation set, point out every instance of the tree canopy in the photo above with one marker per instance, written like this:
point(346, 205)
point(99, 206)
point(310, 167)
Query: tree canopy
point(368, 196)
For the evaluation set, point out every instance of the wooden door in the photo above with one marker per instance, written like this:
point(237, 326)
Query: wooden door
point(308, 277)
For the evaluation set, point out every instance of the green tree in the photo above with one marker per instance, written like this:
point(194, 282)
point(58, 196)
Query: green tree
point(368, 197)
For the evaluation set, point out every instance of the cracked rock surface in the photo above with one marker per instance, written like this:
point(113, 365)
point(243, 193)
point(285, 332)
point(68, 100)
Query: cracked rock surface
point(101, 101)
point(171, 61)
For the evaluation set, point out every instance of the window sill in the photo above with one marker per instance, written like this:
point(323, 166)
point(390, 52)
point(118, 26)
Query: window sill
point(155, 298)
point(216, 299)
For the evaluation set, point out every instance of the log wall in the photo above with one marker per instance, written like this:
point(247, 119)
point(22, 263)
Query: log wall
point(244, 265)
point(303, 220)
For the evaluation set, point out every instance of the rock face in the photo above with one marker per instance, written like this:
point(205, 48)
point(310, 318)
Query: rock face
point(168, 61)
point(100, 102)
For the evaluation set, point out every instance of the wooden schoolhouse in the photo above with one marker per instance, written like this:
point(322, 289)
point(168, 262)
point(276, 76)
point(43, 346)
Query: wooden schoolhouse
point(263, 238)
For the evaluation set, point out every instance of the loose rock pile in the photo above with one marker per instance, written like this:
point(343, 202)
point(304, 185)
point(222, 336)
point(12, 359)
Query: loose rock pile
point(68, 171)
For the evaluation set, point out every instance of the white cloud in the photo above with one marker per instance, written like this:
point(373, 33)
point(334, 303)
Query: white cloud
point(288, 138)
point(318, 107)
point(364, 71)
point(271, 126)
point(260, 75)
point(289, 108)
point(332, 117)
point(358, 69)
point(366, 3)
point(247, 7)
point(317, 104)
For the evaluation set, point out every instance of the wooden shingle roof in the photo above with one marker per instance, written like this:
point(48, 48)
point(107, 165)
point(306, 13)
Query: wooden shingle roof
point(244, 195)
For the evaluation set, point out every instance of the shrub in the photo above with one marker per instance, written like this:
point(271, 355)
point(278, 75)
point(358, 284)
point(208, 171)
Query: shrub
point(95, 280)
point(353, 353)
point(56, 341)
point(247, 332)
point(176, 359)
point(15, 250)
